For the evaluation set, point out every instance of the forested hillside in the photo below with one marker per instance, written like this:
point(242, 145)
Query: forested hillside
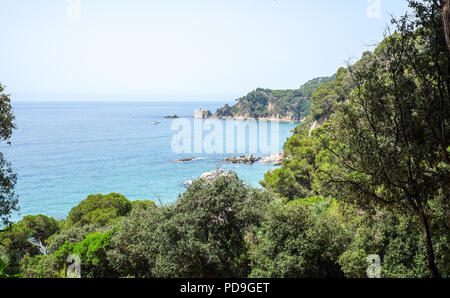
point(377, 142)
point(284, 105)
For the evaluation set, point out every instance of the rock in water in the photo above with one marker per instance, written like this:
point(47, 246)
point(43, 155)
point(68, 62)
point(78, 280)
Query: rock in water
point(275, 159)
point(242, 159)
point(185, 159)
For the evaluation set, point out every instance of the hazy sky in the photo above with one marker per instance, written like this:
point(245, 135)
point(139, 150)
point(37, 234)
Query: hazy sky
point(178, 49)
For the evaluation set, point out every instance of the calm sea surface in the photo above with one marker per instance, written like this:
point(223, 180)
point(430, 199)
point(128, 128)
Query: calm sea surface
point(63, 152)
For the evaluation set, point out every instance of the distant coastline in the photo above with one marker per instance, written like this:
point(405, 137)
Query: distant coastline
point(288, 106)
point(206, 114)
point(272, 119)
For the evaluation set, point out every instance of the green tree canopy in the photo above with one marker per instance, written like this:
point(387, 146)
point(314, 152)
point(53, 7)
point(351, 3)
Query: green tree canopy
point(206, 235)
point(8, 198)
point(299, 239)
point(134, 246)
point(99, 209)
point(26, 237)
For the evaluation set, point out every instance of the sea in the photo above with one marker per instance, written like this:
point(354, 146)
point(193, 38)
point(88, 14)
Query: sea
point(64, 151)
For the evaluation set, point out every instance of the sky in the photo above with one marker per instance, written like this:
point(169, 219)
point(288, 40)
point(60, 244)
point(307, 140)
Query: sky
point(179, 50)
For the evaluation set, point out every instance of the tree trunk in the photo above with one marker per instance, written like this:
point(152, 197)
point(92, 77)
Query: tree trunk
point(434, 273)
point(446, 18)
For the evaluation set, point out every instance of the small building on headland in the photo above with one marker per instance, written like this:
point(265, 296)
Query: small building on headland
point(202, 114)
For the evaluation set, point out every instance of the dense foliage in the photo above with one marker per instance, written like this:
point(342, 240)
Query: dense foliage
point(302, 238)
point(8, 198)
point(203, 235)
point(386, 147)
point(383, 145)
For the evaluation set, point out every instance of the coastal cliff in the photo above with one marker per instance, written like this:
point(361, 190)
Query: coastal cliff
point(325, 101)
point(274, 105)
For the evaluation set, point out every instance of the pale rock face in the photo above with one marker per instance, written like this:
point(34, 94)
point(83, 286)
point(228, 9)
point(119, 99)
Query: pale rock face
point(210, 177)
point(275, 159)
point(242, 159)
point(313, 127)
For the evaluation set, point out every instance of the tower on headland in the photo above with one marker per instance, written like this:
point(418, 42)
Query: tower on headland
point(203, 114)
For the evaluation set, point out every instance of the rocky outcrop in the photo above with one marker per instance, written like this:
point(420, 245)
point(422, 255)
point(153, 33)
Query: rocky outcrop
point(272, 116)
point(314, 126)
point(242, 159)
point(210, 177)
point(187, 183)
point(185, 159)
point(203, 114)
point(275, 159)
point(247, 117)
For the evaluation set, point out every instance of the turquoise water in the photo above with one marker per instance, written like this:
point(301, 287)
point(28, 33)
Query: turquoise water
point(63, 152)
